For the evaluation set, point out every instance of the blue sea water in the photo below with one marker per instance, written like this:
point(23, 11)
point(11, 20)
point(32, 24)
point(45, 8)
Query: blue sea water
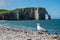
point(52, 26)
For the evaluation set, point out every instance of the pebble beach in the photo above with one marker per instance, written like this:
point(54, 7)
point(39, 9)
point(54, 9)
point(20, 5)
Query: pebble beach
point(21, 34)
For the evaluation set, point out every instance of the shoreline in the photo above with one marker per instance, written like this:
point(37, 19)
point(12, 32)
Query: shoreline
point(16, 34)
point(2, 20)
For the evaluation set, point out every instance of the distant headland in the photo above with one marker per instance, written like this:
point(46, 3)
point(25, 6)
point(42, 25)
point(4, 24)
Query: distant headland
point(30, 13)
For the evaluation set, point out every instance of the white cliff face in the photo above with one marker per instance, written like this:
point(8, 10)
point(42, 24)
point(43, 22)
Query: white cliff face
point(46, 17)
point(36, 14)
point(17, 15)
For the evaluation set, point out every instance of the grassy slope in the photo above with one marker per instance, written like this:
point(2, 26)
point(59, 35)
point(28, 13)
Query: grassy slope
point(3, 11)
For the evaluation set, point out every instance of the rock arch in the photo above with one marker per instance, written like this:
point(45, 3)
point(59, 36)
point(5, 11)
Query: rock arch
point(42, 14)
point(49, 17)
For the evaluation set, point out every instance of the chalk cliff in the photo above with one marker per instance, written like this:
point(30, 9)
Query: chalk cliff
point(25, 14)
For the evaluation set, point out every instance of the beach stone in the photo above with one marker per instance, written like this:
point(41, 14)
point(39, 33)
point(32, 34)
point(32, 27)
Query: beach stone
point(14, 34)
point(21, 30)
point(39, 32)
point(28, 39)
point(25, 31)
point(55, 36)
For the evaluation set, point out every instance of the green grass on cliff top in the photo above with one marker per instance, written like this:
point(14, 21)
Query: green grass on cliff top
point(3, 11)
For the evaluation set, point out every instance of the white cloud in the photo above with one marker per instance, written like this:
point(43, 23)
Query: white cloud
point(2, 3)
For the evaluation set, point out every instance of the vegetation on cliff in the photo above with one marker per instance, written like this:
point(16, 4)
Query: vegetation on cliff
point(3, 11)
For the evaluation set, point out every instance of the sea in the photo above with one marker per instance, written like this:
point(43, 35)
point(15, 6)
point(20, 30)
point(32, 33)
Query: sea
point(52, 26)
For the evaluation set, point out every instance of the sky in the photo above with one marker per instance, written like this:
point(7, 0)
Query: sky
point(52, 6)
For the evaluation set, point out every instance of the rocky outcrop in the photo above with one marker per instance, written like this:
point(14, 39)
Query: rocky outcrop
point(25, 14)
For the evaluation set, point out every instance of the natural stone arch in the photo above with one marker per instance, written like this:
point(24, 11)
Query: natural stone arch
point(40, 14)
point(48, 15)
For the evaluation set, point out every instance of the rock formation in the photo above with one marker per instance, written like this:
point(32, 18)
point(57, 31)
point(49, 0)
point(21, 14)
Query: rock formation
point(25, 14)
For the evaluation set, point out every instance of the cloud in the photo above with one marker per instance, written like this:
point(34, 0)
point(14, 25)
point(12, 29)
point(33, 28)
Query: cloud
point(2, 3)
